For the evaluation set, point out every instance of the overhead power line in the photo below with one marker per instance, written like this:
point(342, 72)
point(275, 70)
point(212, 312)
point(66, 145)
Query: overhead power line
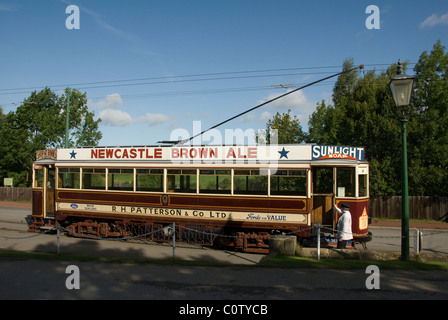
point(260, 105)
point(180, 78)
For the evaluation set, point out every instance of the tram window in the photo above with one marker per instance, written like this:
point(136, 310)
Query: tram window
point(39, 177)
point(288, 182)
point(181, 180)
point(214, 181)
point(150, 180)
point(68, 178)
point(362, 183)
point(250, 182)
point(323, 180)
point(345, 182)
point(94, 179)
point(120, 179)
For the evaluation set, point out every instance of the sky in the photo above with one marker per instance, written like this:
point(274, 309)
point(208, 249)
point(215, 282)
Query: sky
point(160, 70)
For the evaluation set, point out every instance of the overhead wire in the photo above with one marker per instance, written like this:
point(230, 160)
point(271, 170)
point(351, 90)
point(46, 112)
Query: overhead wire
point(262, 104)
point(169, 79)
point(248, 74)
point(173, 77)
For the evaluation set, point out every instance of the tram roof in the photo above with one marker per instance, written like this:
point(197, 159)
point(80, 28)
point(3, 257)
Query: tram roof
point(285, 153)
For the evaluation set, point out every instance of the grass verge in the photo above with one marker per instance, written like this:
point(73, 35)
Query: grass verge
point(5, 253)
point(278, 261)
point(336, 263)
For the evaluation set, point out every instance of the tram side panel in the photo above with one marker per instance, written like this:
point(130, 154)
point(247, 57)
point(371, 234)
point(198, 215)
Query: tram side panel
point(360, 216)
point(232, 212)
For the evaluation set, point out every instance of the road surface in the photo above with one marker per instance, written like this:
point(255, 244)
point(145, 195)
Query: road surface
point(236, 284)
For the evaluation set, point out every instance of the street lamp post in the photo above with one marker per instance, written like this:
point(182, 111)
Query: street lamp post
point(401, 87)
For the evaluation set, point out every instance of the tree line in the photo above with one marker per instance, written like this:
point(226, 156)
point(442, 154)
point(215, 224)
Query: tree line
point(40, 123)
point(362, 113)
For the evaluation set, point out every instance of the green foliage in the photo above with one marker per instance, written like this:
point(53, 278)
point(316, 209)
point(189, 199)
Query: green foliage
point(364, 114)
point(428, 127)
point(284, 128)
point(40, 123)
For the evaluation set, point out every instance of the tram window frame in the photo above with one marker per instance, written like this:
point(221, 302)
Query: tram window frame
point(120, 179)
point(363, 185)
point(38, 177)
point(245, 181)
point(221, 184)
point(347, 183)
point(69, 178)
point(322, 182)
point(182, 180)
point(294, 180)
point(148, 178)
point(97, 173)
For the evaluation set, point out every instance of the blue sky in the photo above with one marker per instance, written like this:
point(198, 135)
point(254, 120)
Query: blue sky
point(151, 68)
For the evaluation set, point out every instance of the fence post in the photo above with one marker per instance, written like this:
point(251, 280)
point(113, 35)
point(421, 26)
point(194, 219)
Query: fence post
point(418, 240)
point(174, 239)
point(318, 242)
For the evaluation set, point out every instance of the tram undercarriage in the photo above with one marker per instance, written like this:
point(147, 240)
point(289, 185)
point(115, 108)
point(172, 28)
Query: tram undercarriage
point(149, 231)
point(239, 239)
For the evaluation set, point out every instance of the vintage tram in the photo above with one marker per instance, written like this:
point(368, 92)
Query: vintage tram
point(234, 196)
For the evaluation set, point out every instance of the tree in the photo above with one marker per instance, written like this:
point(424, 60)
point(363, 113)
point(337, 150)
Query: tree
point(323, 124)
point(40, 123)
point(428, 127)
point(364, 114)
point(284, 128)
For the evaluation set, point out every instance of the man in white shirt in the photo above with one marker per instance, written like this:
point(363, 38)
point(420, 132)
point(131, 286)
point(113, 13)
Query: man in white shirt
point(344, 226)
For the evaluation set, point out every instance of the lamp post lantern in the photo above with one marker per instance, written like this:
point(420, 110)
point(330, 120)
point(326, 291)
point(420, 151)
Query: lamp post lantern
point(401, 87)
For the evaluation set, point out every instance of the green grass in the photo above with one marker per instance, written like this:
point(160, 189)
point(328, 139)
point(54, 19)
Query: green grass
point(272, 262)
point(5, 253)
point(337, 263)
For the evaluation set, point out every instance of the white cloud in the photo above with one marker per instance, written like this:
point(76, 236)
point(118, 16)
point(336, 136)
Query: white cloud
point(116, 118)
point(434, 20)
point(153, 119)
point(111, 114)
point(265, 116)
point(111, 101)
point(119, 118)
point(248, 118)
point(297, 102)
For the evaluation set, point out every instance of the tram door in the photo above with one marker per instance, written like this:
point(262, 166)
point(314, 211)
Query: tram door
point(49, 190)
point(323, 195)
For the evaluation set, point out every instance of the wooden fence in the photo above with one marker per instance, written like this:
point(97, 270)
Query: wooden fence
point(433, 208)
point(15, 194)
point(420, 207)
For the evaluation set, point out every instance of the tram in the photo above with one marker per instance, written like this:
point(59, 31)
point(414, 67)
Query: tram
point(232, 196)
